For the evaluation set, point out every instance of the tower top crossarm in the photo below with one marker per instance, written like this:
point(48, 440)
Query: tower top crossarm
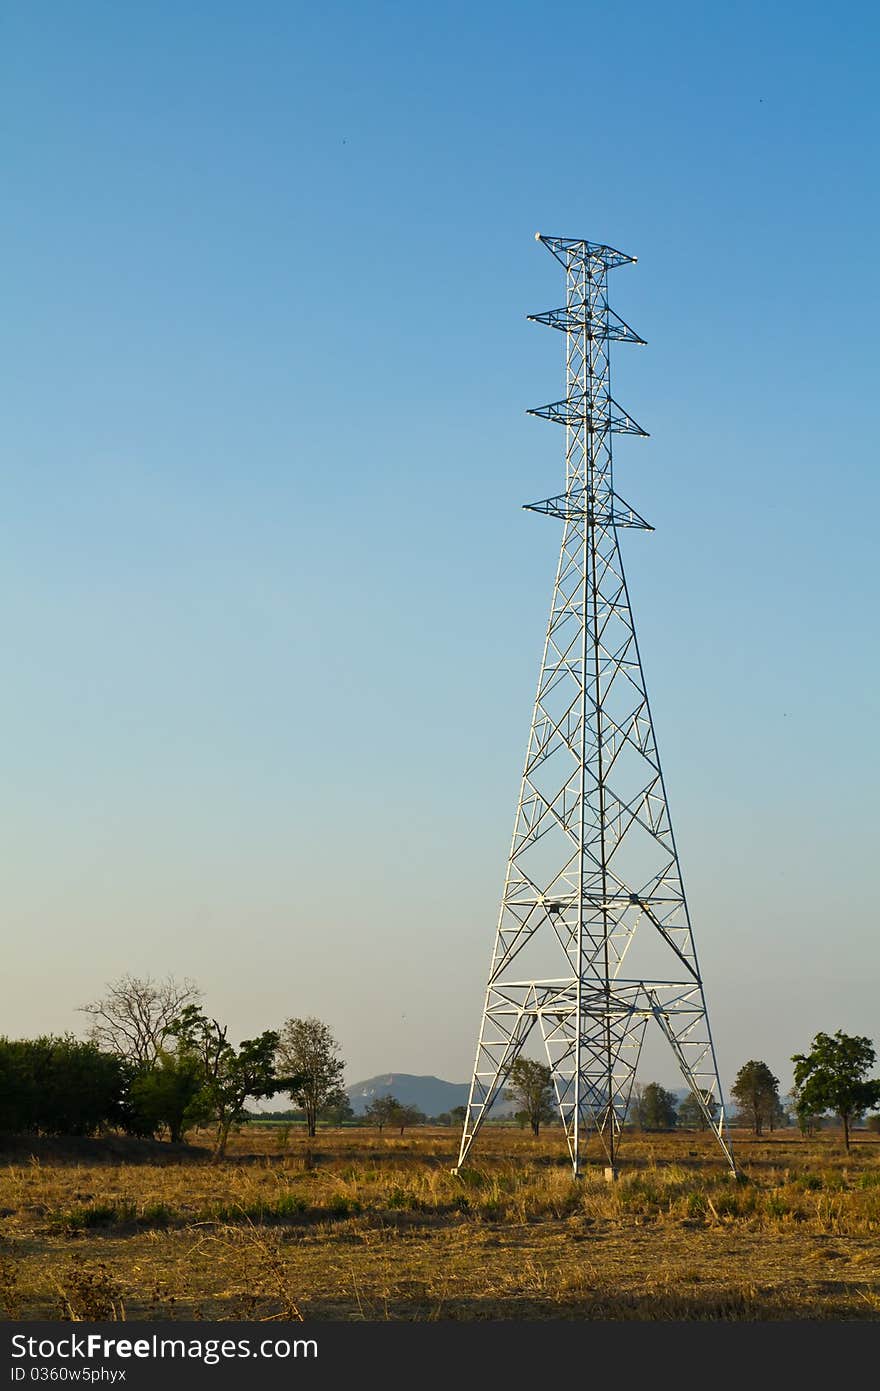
point(569, 249)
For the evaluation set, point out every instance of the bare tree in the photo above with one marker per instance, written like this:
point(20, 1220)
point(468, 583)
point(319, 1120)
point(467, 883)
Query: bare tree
point(132, 1018)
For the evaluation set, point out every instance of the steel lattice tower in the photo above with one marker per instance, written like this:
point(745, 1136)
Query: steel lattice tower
point(593, 880)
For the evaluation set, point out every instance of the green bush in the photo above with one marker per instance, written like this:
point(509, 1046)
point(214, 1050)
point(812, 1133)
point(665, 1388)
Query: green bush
point(59, 1086)
point(774, 1206)
point(809, 1183)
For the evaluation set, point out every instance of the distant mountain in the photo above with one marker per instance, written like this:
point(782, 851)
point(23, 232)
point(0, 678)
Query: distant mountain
point(429, 1094)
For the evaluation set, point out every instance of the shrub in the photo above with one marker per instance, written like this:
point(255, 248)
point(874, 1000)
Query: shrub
point(59, 1086)
point(696, 1205)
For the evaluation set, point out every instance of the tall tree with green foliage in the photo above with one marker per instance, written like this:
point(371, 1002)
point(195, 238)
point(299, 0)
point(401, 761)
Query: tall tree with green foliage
point(229, 1075)
point(756, 1092)
point(833, 1077)
point(655, 1108)
point(531, 1084)
point(308, 1050)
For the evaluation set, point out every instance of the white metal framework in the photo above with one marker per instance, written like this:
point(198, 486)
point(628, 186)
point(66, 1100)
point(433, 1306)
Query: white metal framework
point(593, 880)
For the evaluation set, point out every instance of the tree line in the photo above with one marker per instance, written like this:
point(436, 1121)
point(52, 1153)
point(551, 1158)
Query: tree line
point(832, 1077)
point(155, 1064)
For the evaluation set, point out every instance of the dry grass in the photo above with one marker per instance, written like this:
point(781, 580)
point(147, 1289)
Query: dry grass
point(358, 1226)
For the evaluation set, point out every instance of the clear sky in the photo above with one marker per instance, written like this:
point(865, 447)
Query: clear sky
point(271, 613)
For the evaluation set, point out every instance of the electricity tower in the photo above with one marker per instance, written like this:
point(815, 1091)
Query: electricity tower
point(593, 881)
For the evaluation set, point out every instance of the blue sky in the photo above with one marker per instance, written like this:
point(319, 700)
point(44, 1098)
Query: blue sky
point(271, 612)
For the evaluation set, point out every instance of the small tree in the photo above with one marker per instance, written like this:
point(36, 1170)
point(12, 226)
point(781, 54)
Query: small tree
point(457, 1115)
point(657, 1110)
point(408, 1115)
point(756, 1091)
point(833, 1077)
point(382, 1111)
point(530, 1083)
point(229, 1075)
point(134, 1015)
point(308, 1050)
point(692, 1111)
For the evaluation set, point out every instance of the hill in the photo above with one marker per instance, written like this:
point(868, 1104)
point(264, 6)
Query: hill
point(430, 1094)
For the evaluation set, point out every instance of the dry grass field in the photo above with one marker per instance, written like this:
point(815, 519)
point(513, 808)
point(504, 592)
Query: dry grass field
point(368, 1227)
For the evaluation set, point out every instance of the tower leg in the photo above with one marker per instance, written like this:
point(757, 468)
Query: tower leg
point(697, 1079)
point(501, 1041)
